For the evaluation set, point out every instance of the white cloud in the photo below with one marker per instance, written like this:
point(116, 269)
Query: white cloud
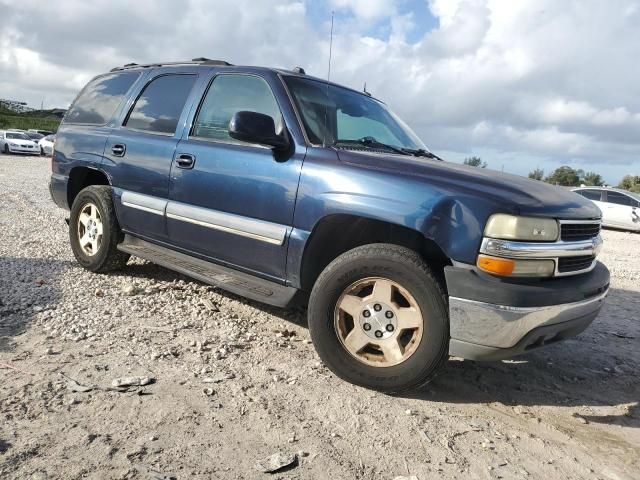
point(543, 79)
point(366, 9)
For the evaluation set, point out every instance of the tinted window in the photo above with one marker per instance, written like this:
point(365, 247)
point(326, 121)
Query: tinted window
point(619, 199)
point(229, 94)
point(159, 106)
point(591, 194)
point(100, 99)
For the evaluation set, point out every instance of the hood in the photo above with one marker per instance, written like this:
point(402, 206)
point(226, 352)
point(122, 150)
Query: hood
point(510, 192)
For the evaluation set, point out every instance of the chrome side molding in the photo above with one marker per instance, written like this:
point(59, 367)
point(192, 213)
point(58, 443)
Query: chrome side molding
point(226, 222)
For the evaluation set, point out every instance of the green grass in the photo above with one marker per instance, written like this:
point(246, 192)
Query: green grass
point(9, 119)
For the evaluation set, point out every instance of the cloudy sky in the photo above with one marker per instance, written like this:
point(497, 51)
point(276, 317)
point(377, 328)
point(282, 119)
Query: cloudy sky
point(523, 84)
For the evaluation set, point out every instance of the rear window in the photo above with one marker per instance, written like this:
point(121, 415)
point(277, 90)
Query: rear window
point(160, 104)
point(100, 99)
point(620, 199)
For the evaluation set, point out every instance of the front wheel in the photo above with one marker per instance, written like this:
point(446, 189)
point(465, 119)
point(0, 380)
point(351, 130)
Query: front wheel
point(6, 149)
point(378, 318)
point(94, 231)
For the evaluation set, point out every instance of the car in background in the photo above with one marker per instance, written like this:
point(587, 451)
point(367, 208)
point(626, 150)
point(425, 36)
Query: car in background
point(17, 142)
point(46, 145)
point(36, 137)
point(620, 209)
point(44, 133)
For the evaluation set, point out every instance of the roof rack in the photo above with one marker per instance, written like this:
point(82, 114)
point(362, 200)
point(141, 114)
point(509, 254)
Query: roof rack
point(195, 61)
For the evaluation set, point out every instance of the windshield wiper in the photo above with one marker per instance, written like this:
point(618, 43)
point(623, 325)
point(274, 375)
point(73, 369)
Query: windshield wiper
point(421, 152)
point(372, 143)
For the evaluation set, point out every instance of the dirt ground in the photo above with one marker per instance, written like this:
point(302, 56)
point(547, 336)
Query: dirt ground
point(237, 381)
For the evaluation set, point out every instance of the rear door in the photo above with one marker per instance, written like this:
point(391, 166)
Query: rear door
point(621, 209)
point(139, 152)
point(232, 201)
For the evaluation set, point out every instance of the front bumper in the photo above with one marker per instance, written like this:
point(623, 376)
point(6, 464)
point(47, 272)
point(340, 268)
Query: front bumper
point(27, 150)
point(493, 319)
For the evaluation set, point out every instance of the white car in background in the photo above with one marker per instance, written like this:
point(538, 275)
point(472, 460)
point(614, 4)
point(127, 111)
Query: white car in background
point(620, 209)
point(17, 142)
point(46, 145)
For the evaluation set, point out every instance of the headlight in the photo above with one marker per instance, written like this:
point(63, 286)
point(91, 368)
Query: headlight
point(510, 227)
point(11, 144)
point(509, 267)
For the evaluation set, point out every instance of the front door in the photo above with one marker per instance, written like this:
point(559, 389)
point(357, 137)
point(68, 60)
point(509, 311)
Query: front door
point(231, 201)
point(138, 154)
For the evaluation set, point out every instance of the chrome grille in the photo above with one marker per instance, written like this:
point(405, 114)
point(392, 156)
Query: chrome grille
point(572, 232)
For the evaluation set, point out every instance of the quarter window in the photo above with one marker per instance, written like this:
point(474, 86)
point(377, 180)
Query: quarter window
point(100, 99)
point(591, 194)
point(619, 199)
point(229, 94)
point(159, 106)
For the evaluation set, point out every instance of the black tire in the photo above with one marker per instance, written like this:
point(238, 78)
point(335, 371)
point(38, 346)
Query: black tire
point(6, 149)
point(107, 257)
point(405, 267)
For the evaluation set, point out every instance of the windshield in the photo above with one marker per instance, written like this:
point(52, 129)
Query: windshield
point(17, 136)
point(333, 114)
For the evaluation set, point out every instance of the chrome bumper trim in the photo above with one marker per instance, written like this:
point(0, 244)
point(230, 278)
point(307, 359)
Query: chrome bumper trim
point(546, 251)
point(503, 326)
point(538, 250)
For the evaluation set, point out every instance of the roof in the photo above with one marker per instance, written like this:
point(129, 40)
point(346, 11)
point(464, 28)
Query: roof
point(207, 62)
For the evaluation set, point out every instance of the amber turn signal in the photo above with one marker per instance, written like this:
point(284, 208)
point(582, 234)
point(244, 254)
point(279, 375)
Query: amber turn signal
point(495, 265)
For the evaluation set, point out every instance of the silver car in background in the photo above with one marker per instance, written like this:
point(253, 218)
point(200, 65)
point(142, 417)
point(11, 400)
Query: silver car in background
point(17, 142)
point(620, 208)
point(46, 145)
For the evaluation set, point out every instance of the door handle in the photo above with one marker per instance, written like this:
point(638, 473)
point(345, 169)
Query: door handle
point(118, 149)
point(185, 160)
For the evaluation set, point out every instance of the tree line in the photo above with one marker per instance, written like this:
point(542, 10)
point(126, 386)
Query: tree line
point(569, 177)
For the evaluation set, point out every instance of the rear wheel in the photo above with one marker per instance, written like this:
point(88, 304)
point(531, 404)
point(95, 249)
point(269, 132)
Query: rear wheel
point(378, 318)
point(94, 232)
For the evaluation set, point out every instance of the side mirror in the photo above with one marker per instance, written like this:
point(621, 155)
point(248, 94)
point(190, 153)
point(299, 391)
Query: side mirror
point(254, 127)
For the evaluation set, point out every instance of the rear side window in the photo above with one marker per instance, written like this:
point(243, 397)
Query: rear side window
point(591, 194)
point(100, 99)
point(619, 199)
point(160, 104)
point(229, 94)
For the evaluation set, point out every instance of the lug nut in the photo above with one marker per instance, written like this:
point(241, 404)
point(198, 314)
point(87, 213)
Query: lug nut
point(378, 333)
point(366, 314)
point(388, 314)
point(377, 307)
point(390, 328)
point(366, 326)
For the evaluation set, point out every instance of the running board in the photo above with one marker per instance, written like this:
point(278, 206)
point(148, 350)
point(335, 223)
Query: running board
point(226, 278)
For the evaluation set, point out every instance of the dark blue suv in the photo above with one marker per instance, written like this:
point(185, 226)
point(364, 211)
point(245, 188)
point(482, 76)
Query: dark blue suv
point(285, 188)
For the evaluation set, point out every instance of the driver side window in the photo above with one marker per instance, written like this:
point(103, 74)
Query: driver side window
point(229, 94)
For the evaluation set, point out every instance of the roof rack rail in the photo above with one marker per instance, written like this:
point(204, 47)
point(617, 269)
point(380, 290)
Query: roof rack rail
point(195, 61)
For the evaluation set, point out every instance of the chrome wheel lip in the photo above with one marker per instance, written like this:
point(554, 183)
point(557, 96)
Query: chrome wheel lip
point(90, 229)
point(396, 346)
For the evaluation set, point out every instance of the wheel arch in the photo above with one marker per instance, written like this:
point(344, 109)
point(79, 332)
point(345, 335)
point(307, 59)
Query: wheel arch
point(336, 234)
point(81, 177)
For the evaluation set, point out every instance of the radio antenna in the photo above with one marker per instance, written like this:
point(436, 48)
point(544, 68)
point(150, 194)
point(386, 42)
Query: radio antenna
point(326, 105)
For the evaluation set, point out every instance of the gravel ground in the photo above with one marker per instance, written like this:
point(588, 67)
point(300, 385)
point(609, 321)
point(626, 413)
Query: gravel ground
point(237, 381)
